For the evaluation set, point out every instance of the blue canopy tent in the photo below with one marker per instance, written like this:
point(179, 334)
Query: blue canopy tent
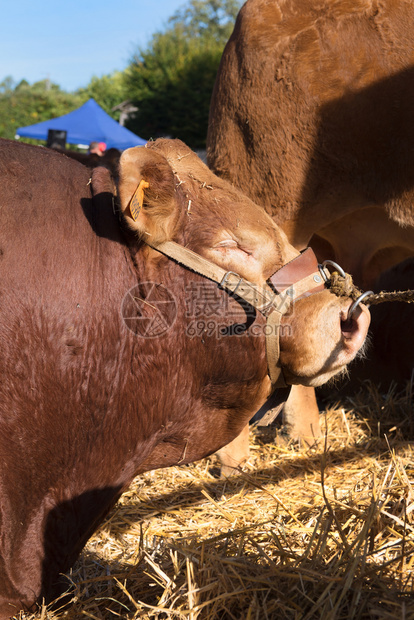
point(89, 123)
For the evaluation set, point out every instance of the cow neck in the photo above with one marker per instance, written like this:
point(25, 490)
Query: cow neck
point(301, 276)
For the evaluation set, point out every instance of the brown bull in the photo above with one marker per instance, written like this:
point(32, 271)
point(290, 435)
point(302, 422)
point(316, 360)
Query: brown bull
point(105, 370)
point(109, 159)
point(311, 116)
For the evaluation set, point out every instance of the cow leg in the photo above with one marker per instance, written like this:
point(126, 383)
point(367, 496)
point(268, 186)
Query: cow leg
point(300, 423)
point(234, 454)
point(301, 417)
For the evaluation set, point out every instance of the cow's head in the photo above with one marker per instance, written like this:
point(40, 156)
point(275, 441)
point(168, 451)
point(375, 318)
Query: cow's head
point(167, 193)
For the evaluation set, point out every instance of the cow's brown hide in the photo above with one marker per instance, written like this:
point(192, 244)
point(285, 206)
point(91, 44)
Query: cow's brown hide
point(109, 159)
point(311, 116)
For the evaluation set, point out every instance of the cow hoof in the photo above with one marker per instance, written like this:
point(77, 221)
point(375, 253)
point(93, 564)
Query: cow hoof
point(284, 438)
point(227, 470)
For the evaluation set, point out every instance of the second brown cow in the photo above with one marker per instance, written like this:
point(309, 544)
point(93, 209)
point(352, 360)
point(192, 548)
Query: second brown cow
point(311, 116)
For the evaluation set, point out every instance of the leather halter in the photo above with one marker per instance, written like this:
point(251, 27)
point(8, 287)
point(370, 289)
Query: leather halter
point(300, 277)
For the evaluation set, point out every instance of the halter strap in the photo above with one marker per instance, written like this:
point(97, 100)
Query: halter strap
point(259, 297)
point(289, 283)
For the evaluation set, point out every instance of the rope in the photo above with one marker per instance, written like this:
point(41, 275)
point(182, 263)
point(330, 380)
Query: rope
point(345, 287)
point(379, 298)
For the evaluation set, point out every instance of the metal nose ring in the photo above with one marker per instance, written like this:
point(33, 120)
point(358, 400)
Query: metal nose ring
point(335, 266)
point(357, 302)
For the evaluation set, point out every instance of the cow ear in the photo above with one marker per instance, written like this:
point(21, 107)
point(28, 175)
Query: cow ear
point(147, 193)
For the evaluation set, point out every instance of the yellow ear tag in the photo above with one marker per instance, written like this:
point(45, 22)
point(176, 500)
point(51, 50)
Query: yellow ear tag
point(135, 204)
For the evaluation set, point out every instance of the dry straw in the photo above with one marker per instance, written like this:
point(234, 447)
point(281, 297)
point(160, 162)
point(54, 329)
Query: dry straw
point(299, 534)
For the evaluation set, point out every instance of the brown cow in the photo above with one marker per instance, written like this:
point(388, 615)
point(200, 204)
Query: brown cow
point(311, 116)
point(109, 159)
point(105, 371)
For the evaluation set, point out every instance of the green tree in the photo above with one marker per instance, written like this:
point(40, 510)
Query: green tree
point(108, 91)
point(7, 85)
point(24, 104)
point(172, 80)
point(212, 19)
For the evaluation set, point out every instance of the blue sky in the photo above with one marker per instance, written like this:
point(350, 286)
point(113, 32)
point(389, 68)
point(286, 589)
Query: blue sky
point(69, 41)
